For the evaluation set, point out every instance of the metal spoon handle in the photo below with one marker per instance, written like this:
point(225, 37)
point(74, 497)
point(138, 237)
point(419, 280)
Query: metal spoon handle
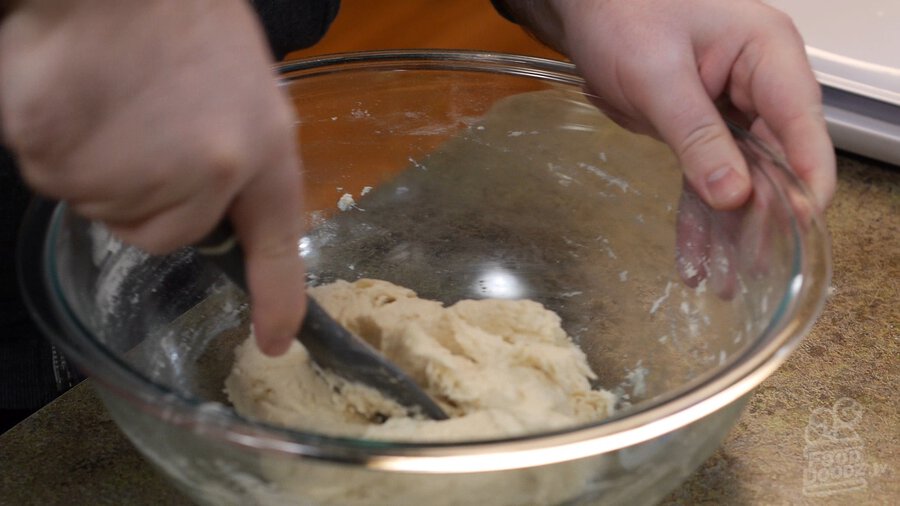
point(329, 344)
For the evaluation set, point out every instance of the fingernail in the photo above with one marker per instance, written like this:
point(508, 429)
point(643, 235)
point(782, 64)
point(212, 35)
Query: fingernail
point(726, 188)
point(274, 347)
point(282, 345)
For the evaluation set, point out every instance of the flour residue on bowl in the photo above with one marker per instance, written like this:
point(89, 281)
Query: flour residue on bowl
point(116, 263)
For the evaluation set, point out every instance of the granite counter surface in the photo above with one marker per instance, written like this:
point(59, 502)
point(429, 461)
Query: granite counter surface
point(70, 452)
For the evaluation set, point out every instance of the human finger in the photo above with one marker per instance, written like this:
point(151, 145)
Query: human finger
point(691, 238)
point(687, 120)
point(723, 254)
point(268, 222)
point(778, 81)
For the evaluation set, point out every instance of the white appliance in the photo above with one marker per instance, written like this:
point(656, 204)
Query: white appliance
point(854, 49)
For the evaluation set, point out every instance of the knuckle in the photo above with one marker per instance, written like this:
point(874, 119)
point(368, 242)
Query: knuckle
point(776, 21)
point(283, 117)
point(223, 162)
point(700, 137)
point(231, 154)
point(279, 131)
point(780, 19)
point(282, 246)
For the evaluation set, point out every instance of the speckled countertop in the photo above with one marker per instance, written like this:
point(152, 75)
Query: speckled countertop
point(849, 366)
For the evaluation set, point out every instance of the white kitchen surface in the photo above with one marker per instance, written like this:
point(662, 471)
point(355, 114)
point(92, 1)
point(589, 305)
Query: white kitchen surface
point(854, 48)
point(853, 45)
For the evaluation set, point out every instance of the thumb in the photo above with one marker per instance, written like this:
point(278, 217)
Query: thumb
point(685, 117)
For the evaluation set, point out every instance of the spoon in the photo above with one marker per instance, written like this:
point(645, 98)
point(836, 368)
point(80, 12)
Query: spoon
point(330, 345)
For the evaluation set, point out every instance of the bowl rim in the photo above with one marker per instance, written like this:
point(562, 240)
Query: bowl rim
point(807, 288)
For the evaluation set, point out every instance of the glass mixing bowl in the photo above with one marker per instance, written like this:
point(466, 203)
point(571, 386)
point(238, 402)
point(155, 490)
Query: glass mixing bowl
point(459, 175)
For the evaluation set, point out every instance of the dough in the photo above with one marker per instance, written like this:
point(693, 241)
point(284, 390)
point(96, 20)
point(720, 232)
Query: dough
point(499, 368)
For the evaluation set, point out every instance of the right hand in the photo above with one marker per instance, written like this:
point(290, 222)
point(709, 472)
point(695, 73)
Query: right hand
point(159, 118)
